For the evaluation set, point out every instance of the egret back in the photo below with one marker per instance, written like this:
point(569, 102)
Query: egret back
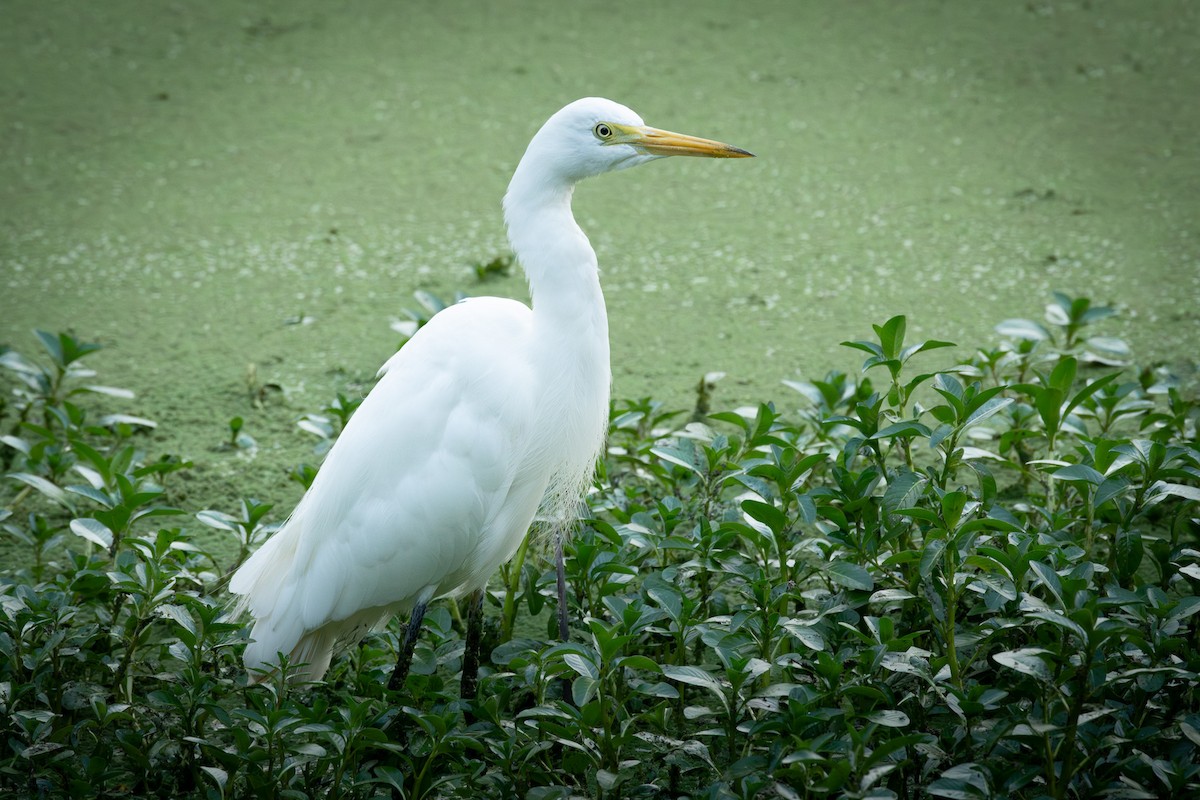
point(429, 488)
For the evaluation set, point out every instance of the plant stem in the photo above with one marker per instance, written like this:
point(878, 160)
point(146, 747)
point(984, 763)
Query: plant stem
point(509, 613)
point(951, 617)
point(1072, 728)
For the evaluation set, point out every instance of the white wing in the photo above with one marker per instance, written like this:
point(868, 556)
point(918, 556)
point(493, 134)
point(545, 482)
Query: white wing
point(424, 493)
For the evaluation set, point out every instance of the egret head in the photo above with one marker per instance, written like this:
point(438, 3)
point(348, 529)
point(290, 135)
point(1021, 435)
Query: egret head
point(594, 135)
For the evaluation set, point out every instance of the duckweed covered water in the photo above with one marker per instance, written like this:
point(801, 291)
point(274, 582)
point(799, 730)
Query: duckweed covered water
point(232, 196)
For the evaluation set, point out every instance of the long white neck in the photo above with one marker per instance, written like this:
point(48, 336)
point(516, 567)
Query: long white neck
point(559, 263)
point(570, 325)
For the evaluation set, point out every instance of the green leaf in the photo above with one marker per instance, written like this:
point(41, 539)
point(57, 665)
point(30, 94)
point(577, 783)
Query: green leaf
point(891, 596)
point(111, 391)
point(1107, 350)
point(643, 663)
point(767, 514)
point(1048, 403)
point(1063, 375)
point(217, 519)
point(953, 504)
point(1079, 472)
point(993, 406)
point(155, 511)
point(608, 781)
point(891, 335)
point(44, 486)
point(917, 381)
point(180, 616)
point(922, 514)
point(880, 753)
point(949, 387)
point(97, 459)
point(53, 346)
point(1181, 490)
point(218, 776)
point(1055, 618)
point(723, 416)
point(1023, 329)
point(931, 556)
point(1089, 390)
point(680, 453)
point(429, 301)
point(1049, 577)
point(1186, 607)
point(93, 530)
point(95, 495)
point(693, 676)
point(852, 576)
point(987, 483)
point(807, 635)
point(1112, 487)
point(893, 364)
point(890, 718)
point(961, 782)
point(924, 347)
point(866, 347)
point(660, 689)
point(584, 666)
point(1028, 661)
point(1128, 553)
point(1094, 313)
point(12, 360)
point(669, 600)
point(16, 443)
point(583, 689)
point(905, 428)
point(991, 524)
point(806, 508)
point(904, 491)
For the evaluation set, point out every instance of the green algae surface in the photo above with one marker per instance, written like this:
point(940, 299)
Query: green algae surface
point(234, 197)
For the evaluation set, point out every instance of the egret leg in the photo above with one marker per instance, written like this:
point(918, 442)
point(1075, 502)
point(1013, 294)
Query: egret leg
point(470, 668)
point(564, 631)
point(400, 673)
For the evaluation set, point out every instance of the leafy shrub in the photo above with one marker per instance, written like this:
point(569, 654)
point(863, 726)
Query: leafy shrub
point(974, 581)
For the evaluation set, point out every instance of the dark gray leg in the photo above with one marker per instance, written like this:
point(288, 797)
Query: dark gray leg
point(400, 674)
point(470, 667)
point(564, 631)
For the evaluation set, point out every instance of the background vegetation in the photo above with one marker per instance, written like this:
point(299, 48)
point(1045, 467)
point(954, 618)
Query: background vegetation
point(968, 581)
point(251, 181)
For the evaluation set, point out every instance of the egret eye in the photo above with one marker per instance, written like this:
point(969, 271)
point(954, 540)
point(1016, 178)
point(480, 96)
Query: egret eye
point(603, 130)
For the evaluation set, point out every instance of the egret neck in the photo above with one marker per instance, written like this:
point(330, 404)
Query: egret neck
point(570, 328)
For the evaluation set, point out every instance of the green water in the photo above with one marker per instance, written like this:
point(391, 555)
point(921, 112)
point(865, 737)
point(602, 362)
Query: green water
point(178, 180)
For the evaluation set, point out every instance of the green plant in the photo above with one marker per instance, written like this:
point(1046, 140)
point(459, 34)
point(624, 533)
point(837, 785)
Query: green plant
point(497, 267)
point(327, 425)
point(979, 580)
point(429, 305)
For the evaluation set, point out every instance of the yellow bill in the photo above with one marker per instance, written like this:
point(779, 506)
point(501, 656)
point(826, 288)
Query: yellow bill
point(653, 141)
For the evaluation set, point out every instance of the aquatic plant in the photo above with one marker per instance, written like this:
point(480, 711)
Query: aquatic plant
point(965, 580)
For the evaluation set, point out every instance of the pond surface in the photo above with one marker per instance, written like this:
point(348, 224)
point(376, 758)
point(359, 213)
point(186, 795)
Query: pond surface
point(183, 182)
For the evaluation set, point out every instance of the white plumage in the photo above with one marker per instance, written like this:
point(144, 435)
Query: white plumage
point(490, 411)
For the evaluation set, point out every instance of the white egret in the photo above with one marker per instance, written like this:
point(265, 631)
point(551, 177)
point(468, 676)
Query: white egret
point(492, 410)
